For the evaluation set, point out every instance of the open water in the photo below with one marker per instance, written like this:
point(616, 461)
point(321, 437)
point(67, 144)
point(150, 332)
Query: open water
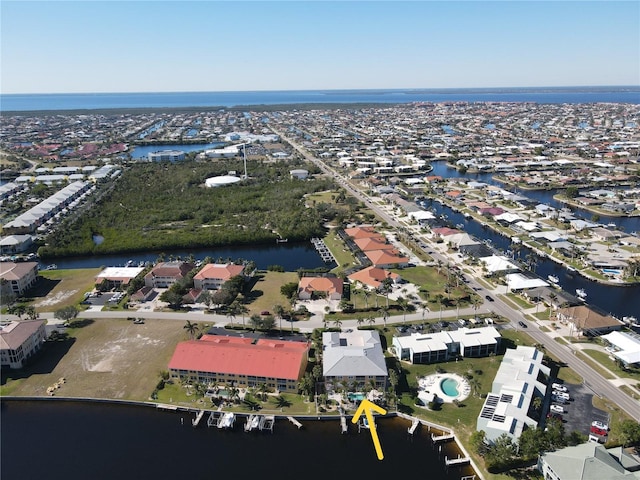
point(79, 441)
point(92, 101)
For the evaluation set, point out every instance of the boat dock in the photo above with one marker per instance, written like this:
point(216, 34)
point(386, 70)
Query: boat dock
point(442, 438)
point(364, 423)
point(227, 420)
point(456, 461)
point(266, 423)
point(323, 250)
point(295, 422)
point(343, 423)
point(213, 418)
point(199, 416)
point(253, 421)
point(413, 426)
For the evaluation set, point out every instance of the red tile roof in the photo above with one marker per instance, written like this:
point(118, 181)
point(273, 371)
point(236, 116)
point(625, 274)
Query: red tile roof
point(385, 257)
point(321, 284)
point(220, 271)
point(361, 232)
point(241, 356)
point(373, 243)
point(372, 276)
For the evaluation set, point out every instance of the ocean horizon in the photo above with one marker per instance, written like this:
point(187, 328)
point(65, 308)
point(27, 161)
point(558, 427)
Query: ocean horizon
point(101, 101)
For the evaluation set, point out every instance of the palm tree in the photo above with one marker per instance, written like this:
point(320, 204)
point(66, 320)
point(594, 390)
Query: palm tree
point(384, 313)
point(403, 304)
point(191, 328)
point(278, 310)
point(366, 294)
point(360, 321)
point(255, 320)
point(371, 318)
point(338, 323)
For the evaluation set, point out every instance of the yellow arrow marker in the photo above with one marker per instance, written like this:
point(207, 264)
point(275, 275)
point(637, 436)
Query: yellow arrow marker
point(367, 407)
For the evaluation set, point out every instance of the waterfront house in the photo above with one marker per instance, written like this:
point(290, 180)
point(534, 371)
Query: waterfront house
point(19, 341)
point(240, 362)
point(506, 408)
point(444, 346)
point(387, 258)
point(213, 275)
point(353, 360)
point(624, 346)
point(314, 287)
point(17, 278)
point(583, 320)
point(165, 274)
point(118, 276)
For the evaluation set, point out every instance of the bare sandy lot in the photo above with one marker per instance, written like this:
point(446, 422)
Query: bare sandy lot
point(109, 358)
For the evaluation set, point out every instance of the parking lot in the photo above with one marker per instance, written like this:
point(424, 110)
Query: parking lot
point(579, 411)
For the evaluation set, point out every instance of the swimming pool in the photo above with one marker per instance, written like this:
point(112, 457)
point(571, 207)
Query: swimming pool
point(450, 387)
point(611, 271)
point(353, 397)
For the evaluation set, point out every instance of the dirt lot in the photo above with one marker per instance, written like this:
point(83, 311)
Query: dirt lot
point(112, 358)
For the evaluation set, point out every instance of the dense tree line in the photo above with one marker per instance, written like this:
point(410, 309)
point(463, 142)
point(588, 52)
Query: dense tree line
point(163, 206)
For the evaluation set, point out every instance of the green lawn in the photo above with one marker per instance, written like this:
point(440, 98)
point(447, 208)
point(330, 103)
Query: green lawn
point(603, 359)
point(265, 292)
point(60, 288)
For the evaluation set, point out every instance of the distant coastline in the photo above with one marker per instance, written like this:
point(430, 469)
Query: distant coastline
point(134, 103)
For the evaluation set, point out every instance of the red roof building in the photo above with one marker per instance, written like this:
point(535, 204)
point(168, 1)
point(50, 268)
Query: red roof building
point(166, 274)
point(373, 243)
point(387, 258)
point(241, 362)
point(213, 275)
point(361, 232)
point(372, 277)
point(331, 286)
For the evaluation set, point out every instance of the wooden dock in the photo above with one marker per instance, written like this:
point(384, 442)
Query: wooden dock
point(295, 422)
point(456, 461)
point(253, 421)
point(442, 438)
point(199, 416)
point(343, 424)
point(413, 427)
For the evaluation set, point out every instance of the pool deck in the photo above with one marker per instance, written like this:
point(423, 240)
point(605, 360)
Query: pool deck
point(432, 384)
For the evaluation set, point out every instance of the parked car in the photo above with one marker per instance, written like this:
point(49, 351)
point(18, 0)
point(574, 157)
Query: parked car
point(599, 431)
point(488, 298)
point(558, 399)
point(564, 395)
point(559, 387)
point(556, 409)
point(596, 439)
point(601, 425)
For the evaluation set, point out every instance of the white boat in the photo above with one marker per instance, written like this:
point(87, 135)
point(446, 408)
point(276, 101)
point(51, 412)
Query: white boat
point(226, 421)
point(553, 278)
point(581, 293)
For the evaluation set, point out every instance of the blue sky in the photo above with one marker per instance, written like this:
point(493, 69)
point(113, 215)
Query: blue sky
point(156, 46)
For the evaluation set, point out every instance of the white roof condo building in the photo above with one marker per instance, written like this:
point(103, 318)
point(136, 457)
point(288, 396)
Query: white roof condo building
point(514, 386)
point(442, 346)
point(166, 156)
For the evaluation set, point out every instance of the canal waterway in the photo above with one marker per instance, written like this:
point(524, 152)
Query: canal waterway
point(618, 300)
point(291, 256)
point(80, 440)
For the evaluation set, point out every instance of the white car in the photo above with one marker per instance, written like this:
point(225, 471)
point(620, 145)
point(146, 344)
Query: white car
point(558, 399)
point(556, 409)
point(601, 425)
point(561, 395)
point(559, 387)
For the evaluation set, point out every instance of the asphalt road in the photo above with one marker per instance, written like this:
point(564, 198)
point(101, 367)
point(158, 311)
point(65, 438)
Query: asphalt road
point(564, 353)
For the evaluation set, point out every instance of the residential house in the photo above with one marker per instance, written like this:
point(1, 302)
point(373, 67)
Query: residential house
point(313, 287)
point(19, 341)
point(241, 362)
point(387, 258)
point(213, 275)
point(165, 274)
point(353, 360)
point(372, 277)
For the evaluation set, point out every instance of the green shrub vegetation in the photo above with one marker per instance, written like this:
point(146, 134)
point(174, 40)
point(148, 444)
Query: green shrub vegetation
point(164, 206)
